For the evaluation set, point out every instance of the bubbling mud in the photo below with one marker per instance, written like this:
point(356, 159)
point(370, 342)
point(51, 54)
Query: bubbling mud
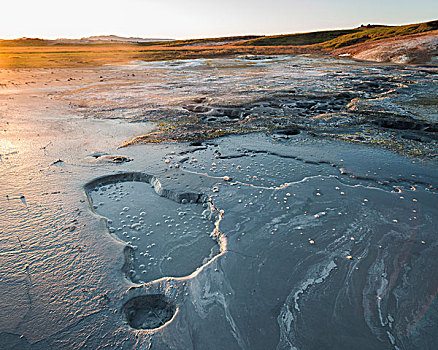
point(167, 236)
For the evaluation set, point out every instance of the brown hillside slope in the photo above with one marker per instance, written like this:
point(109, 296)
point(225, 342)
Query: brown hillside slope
point(411, 49)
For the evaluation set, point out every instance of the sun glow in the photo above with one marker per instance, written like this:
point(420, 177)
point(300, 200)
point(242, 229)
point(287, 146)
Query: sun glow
point(177, 19)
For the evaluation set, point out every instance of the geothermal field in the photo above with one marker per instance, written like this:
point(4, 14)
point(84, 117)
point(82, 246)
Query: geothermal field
point(246, 202)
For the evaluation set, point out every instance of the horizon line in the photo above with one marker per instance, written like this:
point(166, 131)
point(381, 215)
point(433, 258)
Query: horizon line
point(139, 36)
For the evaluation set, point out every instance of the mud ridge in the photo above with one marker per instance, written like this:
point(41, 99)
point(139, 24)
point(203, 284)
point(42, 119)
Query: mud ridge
point(393, 183)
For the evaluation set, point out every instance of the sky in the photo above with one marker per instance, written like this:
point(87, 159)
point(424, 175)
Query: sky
point(179, 19)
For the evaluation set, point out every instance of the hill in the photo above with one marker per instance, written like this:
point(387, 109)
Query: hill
point(341, 38)
point(414, 43)
point(101, 39)
point(408, 49)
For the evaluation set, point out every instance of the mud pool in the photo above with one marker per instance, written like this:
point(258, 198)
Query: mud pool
point(278, 240)
point(174, 239)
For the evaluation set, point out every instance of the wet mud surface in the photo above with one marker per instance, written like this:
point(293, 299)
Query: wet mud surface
point(286, 238)
point(329, 252)
point(326, 244)
point(167, 237)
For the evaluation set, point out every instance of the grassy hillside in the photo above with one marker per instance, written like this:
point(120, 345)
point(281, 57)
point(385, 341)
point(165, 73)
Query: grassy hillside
point(201, 42)
point(342, 38)
point(24, 42)
point(299, 39)
point(371, 34)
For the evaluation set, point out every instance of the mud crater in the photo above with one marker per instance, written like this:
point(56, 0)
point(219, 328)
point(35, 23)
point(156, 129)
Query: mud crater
point(149, 311)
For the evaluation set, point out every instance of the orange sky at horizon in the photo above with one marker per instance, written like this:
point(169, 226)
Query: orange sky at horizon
point(197, 19)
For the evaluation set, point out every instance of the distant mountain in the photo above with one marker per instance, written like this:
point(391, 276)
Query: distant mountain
point(105, 39)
